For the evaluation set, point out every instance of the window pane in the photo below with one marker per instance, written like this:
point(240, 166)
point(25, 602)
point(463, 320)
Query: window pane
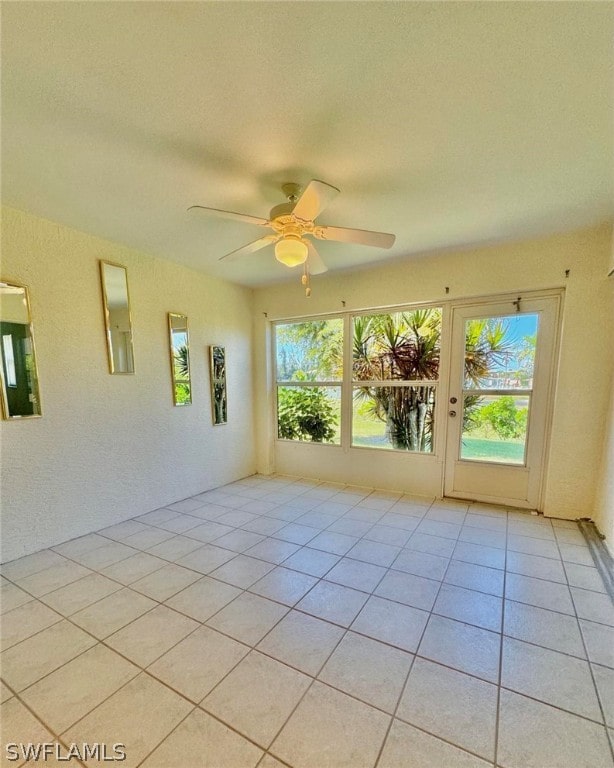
point(500, 352)
point(400, 345)
point(400, 418)
point(309, 413)
point(311, 351)
point(495, 428)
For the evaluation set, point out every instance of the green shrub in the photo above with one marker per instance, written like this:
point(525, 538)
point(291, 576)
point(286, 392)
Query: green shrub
point(503, 418)
point(305, 414)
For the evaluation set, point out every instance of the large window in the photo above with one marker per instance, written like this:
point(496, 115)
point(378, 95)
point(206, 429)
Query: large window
point(390, 388)
point(395, 371)
point(309, 362)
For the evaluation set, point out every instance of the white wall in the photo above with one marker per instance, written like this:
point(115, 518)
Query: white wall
point(111, 447)
point(584, 380)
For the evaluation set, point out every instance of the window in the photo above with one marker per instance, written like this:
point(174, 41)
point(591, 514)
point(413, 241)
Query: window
point(309, 364)
point(394, 375)
point(395, 372)
point(498, 387)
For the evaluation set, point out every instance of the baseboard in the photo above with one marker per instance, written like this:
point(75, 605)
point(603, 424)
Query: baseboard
point(600, 552)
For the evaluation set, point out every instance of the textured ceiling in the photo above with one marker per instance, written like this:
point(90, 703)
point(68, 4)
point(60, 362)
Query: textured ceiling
point(445, 123)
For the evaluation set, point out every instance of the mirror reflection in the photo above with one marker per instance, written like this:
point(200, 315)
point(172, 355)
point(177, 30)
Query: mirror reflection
point(118, 323)
point(218, 385)
point(20, 394)
point(180, 358)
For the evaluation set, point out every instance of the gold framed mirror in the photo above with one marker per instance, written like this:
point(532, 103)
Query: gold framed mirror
point(117, 317)
point(19, 372)
point(180, 358)
point(219, 403)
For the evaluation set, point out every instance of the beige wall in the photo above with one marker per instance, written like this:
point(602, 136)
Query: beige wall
point(111, 447)
point(584, 374)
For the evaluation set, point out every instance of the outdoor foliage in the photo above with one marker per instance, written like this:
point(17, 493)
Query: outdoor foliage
point(305, 413)
point(503, 418)
point(487, 347)
point(310, 351)
point(403, 346)
point(400, 347)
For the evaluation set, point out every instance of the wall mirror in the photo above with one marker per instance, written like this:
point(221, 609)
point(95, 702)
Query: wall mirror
point(118, 324)
point(217, 359)
point(180, 358)
point(20, 394)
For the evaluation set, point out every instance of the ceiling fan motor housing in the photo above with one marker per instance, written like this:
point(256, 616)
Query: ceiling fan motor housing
point(284, 209)
point(291, 191)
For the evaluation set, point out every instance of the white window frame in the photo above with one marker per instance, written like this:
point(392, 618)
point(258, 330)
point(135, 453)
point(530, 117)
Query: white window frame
point(348, 383)
point(334, 384)
point(433, 383)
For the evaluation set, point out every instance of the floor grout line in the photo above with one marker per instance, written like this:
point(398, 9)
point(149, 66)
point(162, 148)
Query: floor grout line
point(500, 673)
point(592, 674)
point(411, 666)
point(387, 569)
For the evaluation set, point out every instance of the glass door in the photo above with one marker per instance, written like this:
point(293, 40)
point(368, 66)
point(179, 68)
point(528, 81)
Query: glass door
point(501, 377)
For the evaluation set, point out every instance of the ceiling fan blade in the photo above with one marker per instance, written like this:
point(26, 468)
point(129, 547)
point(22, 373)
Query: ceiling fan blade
point(256, 245)
point(314, 260)
point(315, 198)
point(358, 236)
point(245, 217)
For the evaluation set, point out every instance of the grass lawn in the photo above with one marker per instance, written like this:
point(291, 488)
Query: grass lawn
point(507, 451)
point(369, 432)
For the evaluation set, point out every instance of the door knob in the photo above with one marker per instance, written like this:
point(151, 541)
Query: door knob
point(452, 413)
point(452, 400)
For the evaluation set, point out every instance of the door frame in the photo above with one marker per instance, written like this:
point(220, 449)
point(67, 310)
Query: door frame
point(557, 296)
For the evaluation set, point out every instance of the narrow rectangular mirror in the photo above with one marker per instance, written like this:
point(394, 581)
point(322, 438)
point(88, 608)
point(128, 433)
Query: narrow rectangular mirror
point(180, 358)
point(218, 384)
point(118, 323)
point(20, 394)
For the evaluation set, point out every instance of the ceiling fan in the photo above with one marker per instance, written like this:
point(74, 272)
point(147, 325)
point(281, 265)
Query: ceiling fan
point(292, 221)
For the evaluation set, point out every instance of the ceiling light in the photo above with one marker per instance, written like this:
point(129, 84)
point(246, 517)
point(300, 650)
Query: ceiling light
point(291, 251)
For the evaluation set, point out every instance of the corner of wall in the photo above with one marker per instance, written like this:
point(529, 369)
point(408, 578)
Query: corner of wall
point(263, 387)
point(604, 498)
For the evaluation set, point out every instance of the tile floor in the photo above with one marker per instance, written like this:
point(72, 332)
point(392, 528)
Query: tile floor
point(283, 622)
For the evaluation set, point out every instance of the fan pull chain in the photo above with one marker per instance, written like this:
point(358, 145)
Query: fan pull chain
point(305, 281)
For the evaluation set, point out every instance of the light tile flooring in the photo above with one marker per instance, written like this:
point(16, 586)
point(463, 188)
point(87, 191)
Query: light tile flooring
point(278, 621)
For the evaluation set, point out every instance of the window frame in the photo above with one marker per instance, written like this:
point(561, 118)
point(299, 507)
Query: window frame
point(347, 383)
point(325, 384)
point(490, 391)
point(433, 383)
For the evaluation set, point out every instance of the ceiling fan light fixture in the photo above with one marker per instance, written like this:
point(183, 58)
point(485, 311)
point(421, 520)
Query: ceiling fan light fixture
point(291, 251)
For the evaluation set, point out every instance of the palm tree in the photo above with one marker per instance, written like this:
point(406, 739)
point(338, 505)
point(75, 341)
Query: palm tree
point(405, 346)
point(393, 347)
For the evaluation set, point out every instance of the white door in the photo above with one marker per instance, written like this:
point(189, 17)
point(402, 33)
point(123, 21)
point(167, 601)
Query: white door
point(501, 385)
